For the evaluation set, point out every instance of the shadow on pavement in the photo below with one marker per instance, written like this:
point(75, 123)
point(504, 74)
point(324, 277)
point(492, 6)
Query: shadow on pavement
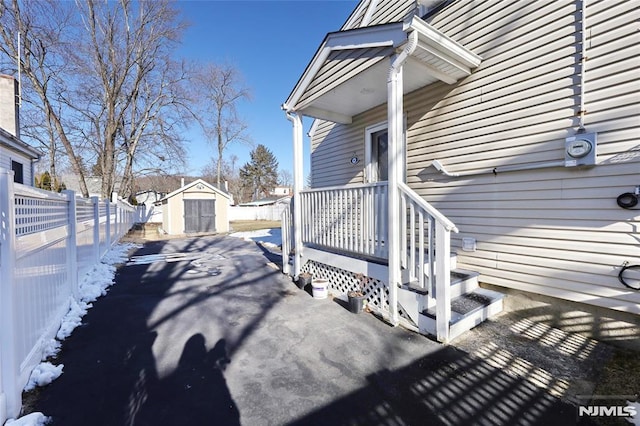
point(141, 355)
point(448, 387)
point(154, 352)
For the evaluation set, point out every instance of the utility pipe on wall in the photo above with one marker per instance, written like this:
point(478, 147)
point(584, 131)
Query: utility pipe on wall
point(583, 61)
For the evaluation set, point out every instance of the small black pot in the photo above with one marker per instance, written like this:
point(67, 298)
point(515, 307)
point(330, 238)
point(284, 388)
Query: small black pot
point(356, 303)
point(303, 281)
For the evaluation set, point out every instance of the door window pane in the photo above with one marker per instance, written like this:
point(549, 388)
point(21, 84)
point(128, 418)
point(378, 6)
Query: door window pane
point(380, 150)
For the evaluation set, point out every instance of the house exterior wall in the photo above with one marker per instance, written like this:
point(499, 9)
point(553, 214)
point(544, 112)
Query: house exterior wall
point(554, 231)
point(8, 155)
point(385, 11)
point(173, 211)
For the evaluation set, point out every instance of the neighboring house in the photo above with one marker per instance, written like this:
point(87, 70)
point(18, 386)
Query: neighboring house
point(14, 154)
point(505, 129)
point(94, 184)
point(197, 207)
point(281, 190)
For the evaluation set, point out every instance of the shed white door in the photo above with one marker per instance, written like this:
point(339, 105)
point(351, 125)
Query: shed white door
point(199, 216)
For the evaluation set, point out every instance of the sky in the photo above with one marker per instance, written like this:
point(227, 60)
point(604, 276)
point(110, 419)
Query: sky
point(270, 42)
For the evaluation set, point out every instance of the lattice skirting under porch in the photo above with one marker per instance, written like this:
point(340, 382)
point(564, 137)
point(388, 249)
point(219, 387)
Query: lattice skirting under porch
point(341, 282)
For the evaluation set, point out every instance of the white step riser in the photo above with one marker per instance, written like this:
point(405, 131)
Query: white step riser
point(459, 288)
point(427, 325)
point(474, 319)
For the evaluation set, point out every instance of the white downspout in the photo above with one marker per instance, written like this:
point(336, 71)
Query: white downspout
point(583, 62)
point(396, 168)
point(297, 187)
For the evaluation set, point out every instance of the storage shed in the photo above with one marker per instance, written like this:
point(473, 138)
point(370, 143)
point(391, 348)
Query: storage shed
point(197, 207)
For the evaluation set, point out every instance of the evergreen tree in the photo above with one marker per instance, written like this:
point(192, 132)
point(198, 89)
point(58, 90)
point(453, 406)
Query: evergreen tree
point(44, 181)
point(260, 175)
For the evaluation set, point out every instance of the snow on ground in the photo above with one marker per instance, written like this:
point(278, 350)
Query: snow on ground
point(33, 419)
point(267, 237)
point(94, 284)
point(635, 419)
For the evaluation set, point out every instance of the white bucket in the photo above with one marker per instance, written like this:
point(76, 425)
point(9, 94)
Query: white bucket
point(319, 288)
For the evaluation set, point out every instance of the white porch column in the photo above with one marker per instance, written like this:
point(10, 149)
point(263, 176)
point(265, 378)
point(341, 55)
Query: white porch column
point(396, 168)
point(394, 119)
point(298, 179)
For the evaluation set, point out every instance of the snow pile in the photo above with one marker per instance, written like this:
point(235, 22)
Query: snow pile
point(635, 420)
point(43, 374)
point(33, 419)
point(267, 237)
point(73, 318)
point(93, 285)
point(50, 348)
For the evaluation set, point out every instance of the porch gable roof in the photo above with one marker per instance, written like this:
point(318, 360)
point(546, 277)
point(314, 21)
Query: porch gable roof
point(348, 73)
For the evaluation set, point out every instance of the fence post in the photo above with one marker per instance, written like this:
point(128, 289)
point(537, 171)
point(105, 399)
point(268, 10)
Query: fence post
point(108, 224)
point(72, 242)
point(118, 215)
point(10, 392)
point(96, 227)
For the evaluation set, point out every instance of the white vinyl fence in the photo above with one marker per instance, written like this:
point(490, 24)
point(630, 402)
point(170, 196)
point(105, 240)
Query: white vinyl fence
point(272, 212)
point(47, 242)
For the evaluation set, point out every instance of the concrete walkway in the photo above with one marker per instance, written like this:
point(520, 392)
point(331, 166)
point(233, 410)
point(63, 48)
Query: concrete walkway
point(203, 331)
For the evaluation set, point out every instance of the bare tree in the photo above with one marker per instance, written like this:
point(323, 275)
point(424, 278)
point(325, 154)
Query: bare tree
point(45, 27)
point(285, 178)
point(107, 88)
point(129, 82)
point(222, 91)
point(230, 175)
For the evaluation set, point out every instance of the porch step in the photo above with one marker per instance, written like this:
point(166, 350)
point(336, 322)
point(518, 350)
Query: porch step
point(415, 299)
point(467, 311)
point(462, 281)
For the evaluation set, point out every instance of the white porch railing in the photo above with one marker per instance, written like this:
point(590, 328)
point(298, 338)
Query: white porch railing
point(428, 234)
point(351, 219)
point(47, 242)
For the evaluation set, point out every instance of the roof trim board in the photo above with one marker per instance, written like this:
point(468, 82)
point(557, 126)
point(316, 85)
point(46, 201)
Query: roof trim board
point(192, 184)
point(437, 56)
point(13, 143)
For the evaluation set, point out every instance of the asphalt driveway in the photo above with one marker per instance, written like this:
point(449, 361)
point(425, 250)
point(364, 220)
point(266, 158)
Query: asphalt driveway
point(203, 331)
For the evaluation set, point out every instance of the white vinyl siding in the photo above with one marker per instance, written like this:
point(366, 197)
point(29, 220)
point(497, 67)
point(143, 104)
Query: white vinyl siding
point(393, 11)
point(385, 11)
point(333, 145)
point(554, 231)
point(7, 156)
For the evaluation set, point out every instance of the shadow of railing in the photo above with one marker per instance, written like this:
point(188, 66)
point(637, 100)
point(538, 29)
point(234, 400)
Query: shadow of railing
point(448, 387)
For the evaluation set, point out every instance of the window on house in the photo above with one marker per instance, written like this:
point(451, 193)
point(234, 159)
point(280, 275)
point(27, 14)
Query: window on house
point(18, 174)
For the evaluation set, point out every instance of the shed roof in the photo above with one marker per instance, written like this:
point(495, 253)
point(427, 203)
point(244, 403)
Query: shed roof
point(191, 185)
